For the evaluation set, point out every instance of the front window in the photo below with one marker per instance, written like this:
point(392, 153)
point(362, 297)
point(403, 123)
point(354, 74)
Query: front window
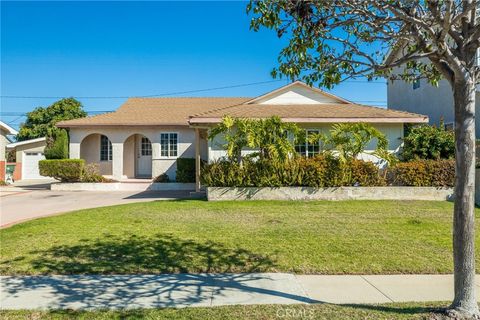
point(169, 144)
point(146, 147)
point(105, 149)
point(306, 148)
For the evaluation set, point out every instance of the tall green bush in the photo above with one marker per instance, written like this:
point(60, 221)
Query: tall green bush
point(65, 170)
point(429, 142)
point(185, 170)
point(57, 145)
point(424, 173)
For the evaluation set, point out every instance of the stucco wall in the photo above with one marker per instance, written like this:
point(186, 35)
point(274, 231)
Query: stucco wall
point(3, 142)
point(122, 138)
point(393, 132)
point(90, 152)
point(435, 102)
point(31, 147)
point(129, 156)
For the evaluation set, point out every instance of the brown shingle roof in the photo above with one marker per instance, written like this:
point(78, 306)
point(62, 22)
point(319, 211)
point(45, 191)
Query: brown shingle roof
point(185, 111)
point(331, 112)
point(154, 111)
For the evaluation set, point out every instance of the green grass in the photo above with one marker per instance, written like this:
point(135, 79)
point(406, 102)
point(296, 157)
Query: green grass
point(345, 237)
point(319, 311)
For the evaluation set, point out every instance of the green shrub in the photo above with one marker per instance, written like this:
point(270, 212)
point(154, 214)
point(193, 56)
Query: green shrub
point(57, 145)
point(423, 173)
point(429, 143)
point(319, 171)
point(364, 173)
point(65, 170)
point(185, 170)
point(163, 178)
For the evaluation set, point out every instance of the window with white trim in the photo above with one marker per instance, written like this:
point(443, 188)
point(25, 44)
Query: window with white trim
point(146, 147)
point(306, 148)
point(105, 149)
point(169, 144)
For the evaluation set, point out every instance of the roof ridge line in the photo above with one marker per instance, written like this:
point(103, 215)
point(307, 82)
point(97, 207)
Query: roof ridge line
point(214, 110)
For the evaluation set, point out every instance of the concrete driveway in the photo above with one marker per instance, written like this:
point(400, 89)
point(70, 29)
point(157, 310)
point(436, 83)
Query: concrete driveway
point(30, 201)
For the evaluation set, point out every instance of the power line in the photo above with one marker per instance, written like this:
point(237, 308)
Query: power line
point(146, 96)
point(170, 93)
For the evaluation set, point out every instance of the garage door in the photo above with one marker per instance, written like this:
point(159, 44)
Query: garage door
point(30, 165)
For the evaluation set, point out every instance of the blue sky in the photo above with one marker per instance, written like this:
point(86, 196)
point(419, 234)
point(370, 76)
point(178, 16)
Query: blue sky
point(105, 49)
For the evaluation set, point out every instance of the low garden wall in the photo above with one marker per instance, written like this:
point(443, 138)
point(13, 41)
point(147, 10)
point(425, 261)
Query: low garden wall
point(122, 186)
point(340, 193)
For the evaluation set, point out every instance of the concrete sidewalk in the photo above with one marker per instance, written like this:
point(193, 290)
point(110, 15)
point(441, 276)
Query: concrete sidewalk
point(182, 290)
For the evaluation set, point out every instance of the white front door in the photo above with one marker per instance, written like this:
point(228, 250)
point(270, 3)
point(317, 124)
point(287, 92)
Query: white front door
point(30, 165)
point(144, 157)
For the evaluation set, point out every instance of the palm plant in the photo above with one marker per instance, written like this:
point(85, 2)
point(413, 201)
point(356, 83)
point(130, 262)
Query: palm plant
point(271, 137)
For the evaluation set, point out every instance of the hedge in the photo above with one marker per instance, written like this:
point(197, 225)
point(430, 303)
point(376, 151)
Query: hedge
point(320, 171)
point(65, 170)
point(185, 170)
point(423, 173)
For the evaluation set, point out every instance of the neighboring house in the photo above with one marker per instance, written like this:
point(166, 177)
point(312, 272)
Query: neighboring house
point(28, 153)
point(422, 97)
point(145, 136)
point(5, 130)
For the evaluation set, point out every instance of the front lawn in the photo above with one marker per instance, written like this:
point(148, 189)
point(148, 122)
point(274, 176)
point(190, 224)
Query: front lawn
point(318, 311)
point(351, 237)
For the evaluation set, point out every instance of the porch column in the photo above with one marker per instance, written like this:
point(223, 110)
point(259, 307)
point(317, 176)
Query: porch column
point(197, 160)
point(156, 164)
point(74, 150)
point(117, 161)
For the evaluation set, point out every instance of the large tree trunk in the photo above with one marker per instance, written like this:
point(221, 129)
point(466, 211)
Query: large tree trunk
point(465, 301)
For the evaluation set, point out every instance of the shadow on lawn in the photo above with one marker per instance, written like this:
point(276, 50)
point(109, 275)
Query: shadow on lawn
point(138, 254)
point(435, 312)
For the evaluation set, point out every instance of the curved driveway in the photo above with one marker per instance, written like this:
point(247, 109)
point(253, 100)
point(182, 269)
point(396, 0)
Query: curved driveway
point(18, 204)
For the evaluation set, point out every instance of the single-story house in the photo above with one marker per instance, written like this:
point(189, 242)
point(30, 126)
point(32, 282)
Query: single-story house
point(5, 131)
point(28, 153)
point(145, 136)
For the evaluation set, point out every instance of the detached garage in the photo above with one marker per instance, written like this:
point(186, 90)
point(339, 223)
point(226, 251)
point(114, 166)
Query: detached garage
point(28, 153)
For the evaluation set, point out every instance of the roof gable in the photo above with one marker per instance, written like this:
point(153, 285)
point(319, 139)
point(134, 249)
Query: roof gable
point(7, 128)
point(297, 93)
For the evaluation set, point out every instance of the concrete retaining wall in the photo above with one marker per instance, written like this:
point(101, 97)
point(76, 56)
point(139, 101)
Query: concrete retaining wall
point(341, 193)
point(121, 186)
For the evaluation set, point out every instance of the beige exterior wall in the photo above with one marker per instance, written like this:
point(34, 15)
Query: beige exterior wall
point(3, 143)
point(129, 155)
point(31, 147)
point(90, 152)
point(123, 141)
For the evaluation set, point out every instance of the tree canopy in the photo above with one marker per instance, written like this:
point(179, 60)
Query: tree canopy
point(333, 40)
point(41, 121)
point(330, 41)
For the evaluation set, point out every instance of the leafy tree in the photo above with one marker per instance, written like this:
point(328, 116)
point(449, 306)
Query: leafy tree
point(333, 40)
point(41, 121)
point(57, 145)
point(429, 142)
point(271, 137)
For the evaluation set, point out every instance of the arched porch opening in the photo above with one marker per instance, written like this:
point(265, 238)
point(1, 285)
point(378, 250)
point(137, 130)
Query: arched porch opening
point(137, 157)
point(96, 148)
